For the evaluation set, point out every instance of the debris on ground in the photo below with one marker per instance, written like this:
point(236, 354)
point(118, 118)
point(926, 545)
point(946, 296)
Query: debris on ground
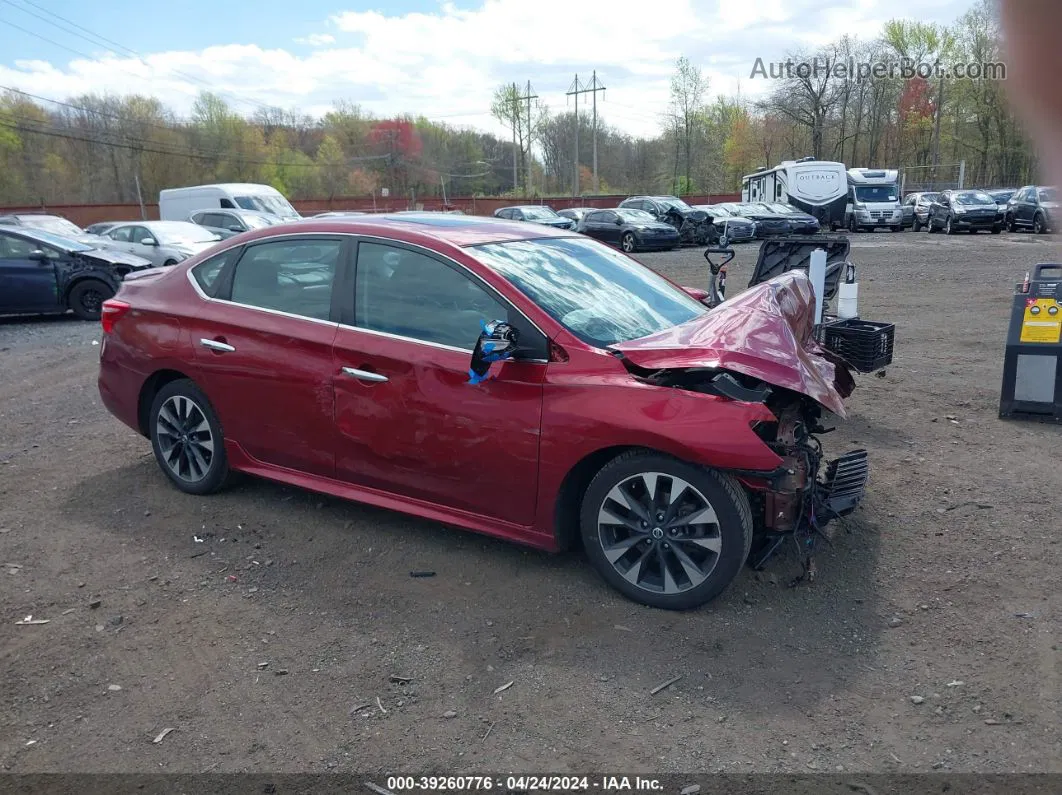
point(955, 683)
point(690, 789)
point(356, 709)
point(114, 688)
point(400, 680)
point(487, 733)
point(664, 685)
point(504, 687)
point(162, 735)
point(422, 574)
point(378, 789)
point(28, 620)
point(449, 714)
point(95, 603)
point(380, 705)
point(917, 700)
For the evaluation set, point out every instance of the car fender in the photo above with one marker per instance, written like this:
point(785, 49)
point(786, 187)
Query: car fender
point(71, 273)
point(588, 408)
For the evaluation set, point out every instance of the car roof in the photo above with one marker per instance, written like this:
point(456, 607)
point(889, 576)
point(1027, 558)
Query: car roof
point(457, 230)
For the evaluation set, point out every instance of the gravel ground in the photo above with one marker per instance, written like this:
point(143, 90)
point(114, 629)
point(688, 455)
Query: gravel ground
point(264, 624)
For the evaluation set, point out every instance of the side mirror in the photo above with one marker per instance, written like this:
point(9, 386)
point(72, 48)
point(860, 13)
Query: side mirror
point(619, 221)
point(234, 229)
point(149, 241)
point(39, 255)
point(496, 342)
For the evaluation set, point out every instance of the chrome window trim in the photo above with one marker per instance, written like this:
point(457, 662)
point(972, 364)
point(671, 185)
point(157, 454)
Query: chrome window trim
point(357, 237)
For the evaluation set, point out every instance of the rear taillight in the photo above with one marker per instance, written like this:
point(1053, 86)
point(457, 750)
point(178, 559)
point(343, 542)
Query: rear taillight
point(112, 311)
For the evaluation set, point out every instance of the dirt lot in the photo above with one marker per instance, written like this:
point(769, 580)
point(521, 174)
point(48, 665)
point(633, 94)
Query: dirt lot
point(263, 624)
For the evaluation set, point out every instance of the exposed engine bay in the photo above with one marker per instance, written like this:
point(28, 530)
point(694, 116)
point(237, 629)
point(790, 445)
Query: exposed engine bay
point(807, 492)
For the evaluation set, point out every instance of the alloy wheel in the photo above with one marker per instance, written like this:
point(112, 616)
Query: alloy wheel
point(92, 301)
point(659, 532)
point(628, 243)
point(185, 439)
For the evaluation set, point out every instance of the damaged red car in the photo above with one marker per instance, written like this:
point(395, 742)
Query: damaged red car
point(505, 378)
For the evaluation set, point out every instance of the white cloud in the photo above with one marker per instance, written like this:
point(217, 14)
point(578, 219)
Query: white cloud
point(317, 39)
point(446, 64)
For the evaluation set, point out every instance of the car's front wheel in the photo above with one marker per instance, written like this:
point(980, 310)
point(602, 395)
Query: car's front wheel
point(916, 226)
point(1010, 225)
point(87, 296)
point(628, 243)
point(1039, 224)
point(948, 228)
point(663, 532)
point(187, 438)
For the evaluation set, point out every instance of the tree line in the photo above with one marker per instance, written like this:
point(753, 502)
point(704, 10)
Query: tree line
point(105, 149)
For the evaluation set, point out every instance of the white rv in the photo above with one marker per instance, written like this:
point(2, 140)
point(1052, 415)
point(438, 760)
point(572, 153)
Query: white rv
point(177, 204)
point(873, 199)
point(817, 187)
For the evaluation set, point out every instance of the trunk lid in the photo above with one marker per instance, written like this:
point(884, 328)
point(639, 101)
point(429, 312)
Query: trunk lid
point(766, 332)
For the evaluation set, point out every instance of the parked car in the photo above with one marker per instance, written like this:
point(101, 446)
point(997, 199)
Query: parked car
point(964, 211)
point(800, 222)
point(631, 230)
point(163, 242)
point(44, 273)
point(55, 224)
point(1033, 207)
point(768, 223)
point(729, 225)
point(536, 214)
point(100, 228)
point(576, 214)
point(694, 226)
point(229, 223)
point(916, 209)
point(385, 372)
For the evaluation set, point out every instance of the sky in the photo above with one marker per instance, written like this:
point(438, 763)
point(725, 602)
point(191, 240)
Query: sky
point(440, 59)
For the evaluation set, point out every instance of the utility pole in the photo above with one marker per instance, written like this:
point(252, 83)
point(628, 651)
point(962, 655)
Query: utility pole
point(587, 88)
point(530, 159)
point(515, 97)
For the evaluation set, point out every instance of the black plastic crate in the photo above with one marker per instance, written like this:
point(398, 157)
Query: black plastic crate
point(864, 344)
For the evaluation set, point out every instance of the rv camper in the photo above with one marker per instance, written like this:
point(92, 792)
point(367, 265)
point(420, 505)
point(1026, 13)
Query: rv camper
point(873, 200)
point(817, 187)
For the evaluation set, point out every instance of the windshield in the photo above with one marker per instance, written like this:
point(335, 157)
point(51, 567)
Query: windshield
point(673, 202)
point(719, 211)
point(635, 216)
point(929, 197)
point(1002, 196)
point(598, 294)
point(59, 241)
point(1048, 195)
point(784, 209)
point(539, 212)
point(58, 226)
point(183, 234)
point(876, 193)
point(745, 211)
point(972, 197)
point(275, 205)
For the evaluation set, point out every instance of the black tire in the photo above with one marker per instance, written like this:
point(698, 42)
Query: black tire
point(169, 263)
point(852, 225)
point(916, 226)
point(1039, 224)
point(657, 583)
point(1009, 223)
point(948, 228)
point(997, 229)
point(201, 479)
point(86, 298)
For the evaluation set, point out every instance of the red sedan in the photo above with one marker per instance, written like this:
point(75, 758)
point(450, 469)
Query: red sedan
point(503, 377)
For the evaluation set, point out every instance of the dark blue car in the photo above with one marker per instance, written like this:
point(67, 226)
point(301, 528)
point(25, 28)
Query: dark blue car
point(43, 273)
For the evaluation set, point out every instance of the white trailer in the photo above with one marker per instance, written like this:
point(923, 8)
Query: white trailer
point(817, 187)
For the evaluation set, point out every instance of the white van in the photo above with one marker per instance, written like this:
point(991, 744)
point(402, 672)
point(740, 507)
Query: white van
point(177, 204)
point(873, 199)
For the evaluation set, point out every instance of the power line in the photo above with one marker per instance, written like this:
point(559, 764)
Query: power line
point(575, 90)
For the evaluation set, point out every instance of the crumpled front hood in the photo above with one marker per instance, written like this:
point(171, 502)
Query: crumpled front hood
point(765, 332)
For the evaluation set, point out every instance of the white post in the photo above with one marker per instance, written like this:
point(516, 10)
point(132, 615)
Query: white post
point(962, 174)
point(817, 273)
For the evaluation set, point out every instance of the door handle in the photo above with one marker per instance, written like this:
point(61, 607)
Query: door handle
point(364, 375)
point(214, 345)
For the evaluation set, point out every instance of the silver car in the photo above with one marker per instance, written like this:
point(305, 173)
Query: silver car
point(162, 242)
point(227, 223)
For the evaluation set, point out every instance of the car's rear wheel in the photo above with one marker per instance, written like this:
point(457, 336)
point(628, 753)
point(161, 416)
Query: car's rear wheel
point(948, 229)
point(1010, 224)
point(628, 243)
point(1039, 225)
point(187, 438)
point(663, 532)
point(86, 298)
point(916, 226)
point(997, 229)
